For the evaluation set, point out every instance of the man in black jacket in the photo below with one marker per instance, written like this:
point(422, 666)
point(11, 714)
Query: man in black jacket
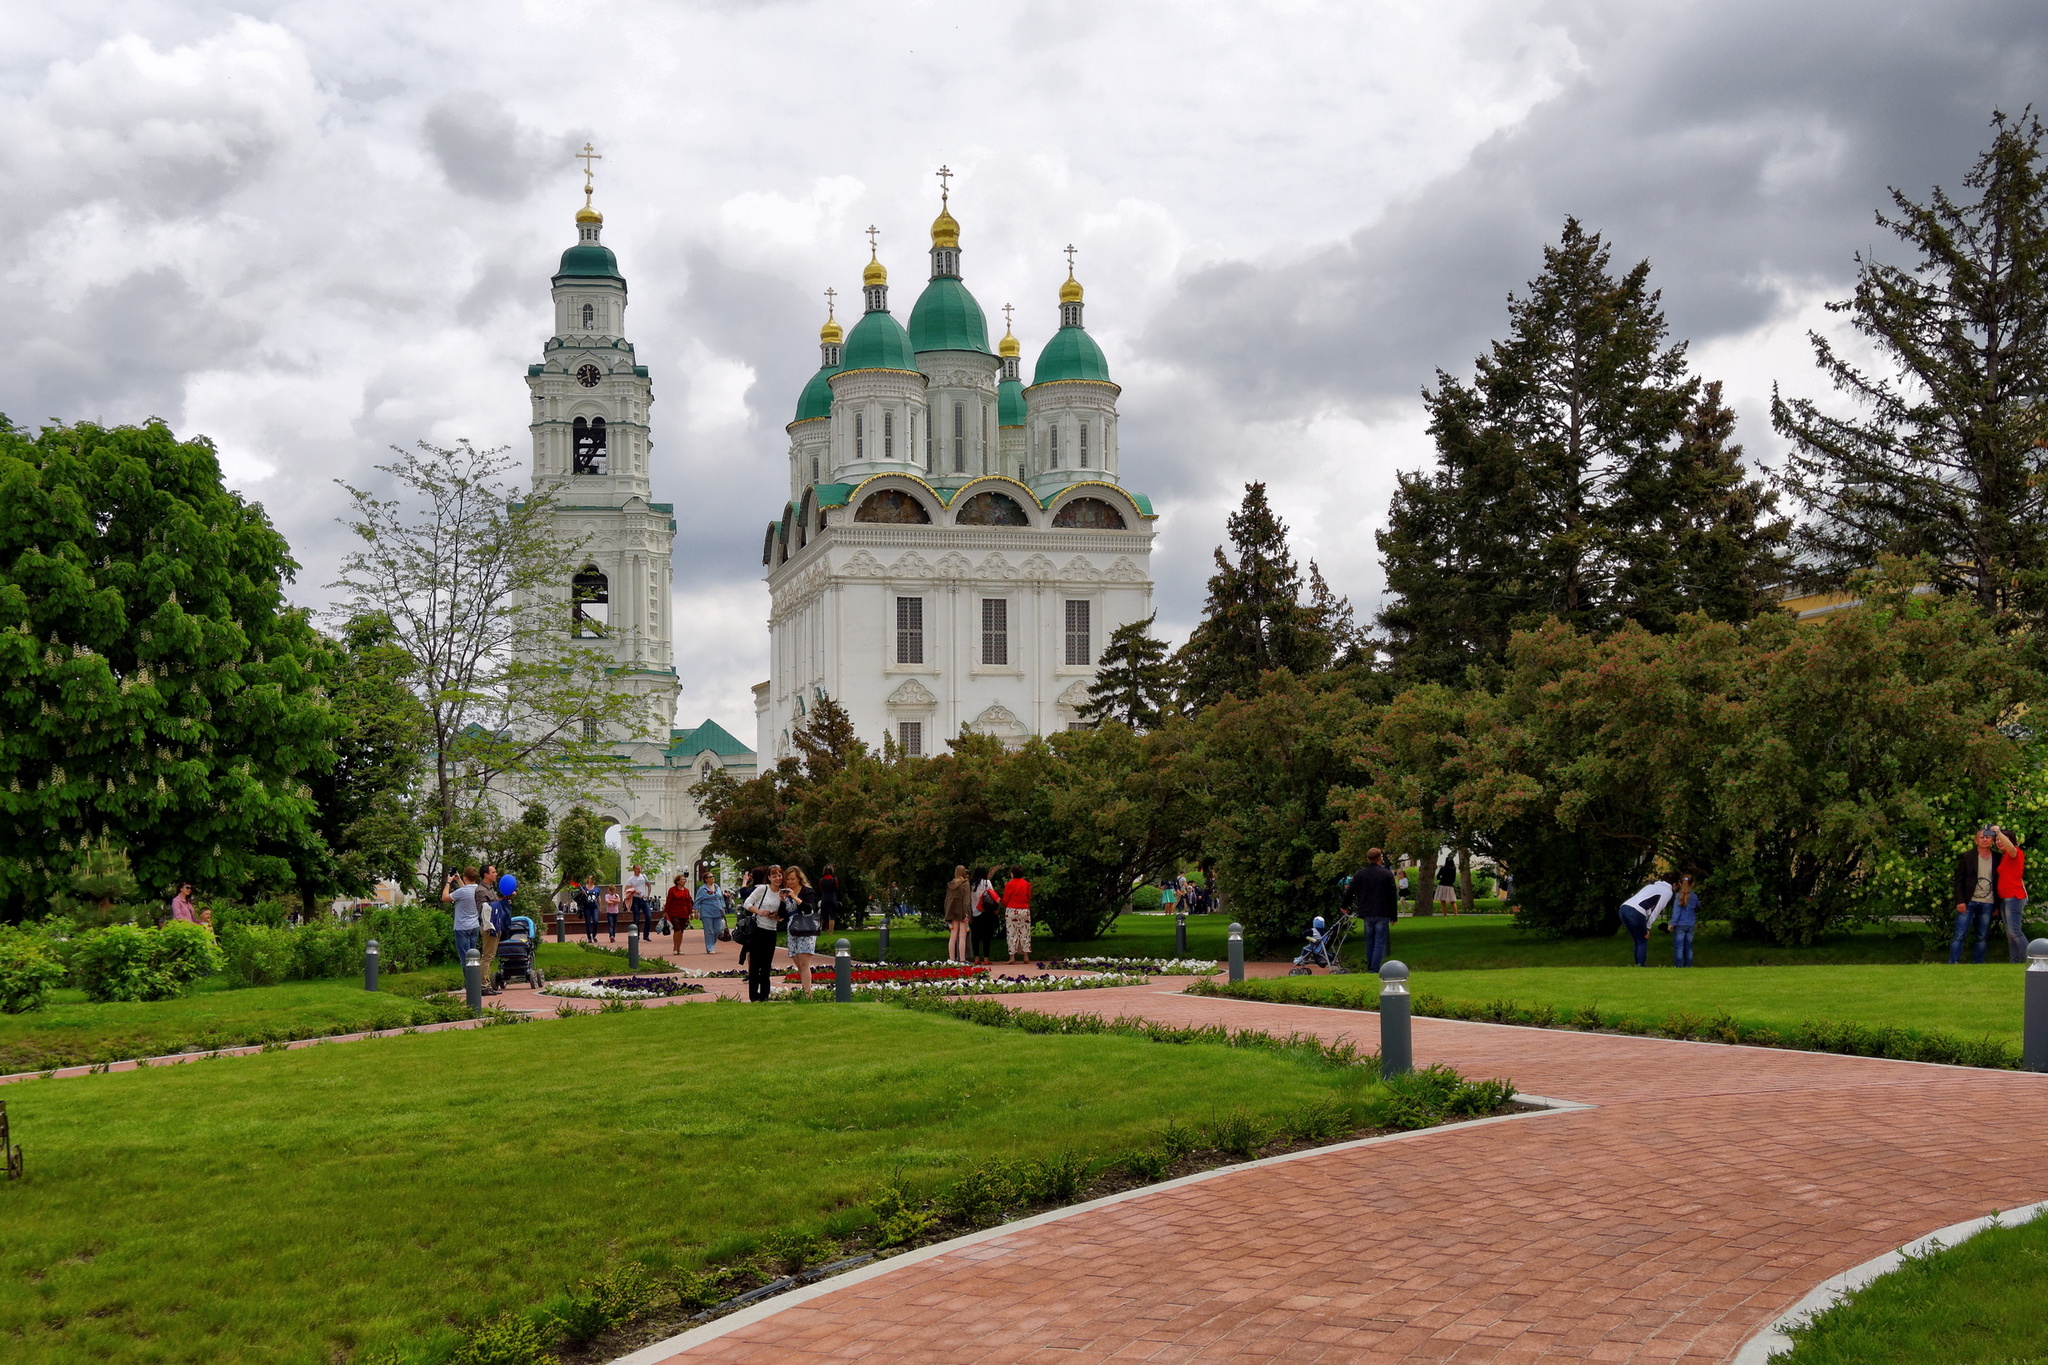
point(1976, 892)
point(1373, 900)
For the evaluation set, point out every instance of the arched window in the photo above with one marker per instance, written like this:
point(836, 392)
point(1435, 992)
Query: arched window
point(859, 437)
point(889, 435)
point(959, 438)
point(991, 509)
point(1089, 514)
point(1055, 445)
point(589, 318)
point(892, 507)
point(591, 457)
point(1084, 445)
point(590, 603)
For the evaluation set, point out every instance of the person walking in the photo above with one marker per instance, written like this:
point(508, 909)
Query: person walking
point(1017, 915)
point(1447, 884)
point(1640, 911)
point(608, 903)
point(805, 916)
point(764, 904)
point(1976, 892)
point(710, 906)
point(586, 905)
point(2012, 893)
point(959, 913)
point(1168, 895)
point(828, 899)
point(640, 902)
point(988, 912)
point(461, 892)
point(1375, 902)
point(1685, 919)
point(676, 908)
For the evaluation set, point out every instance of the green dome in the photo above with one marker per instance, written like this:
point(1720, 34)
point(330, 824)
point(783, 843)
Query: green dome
point(590, 260)
point(816, 399)
point(947, 319)
point(1010, 403)
point(1071, 354)
point(878, 342)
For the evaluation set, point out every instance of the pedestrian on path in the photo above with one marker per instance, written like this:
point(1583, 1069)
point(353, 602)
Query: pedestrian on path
point(2012, 893)
point(585, 898)
point(1641, 911)
point(609, 904)
point(497, 927)
point(764, 904)
point(1168, 894)
point(1685, 919)
point(676, 910)
point(460, 891)
point(805, 919)
point(1976, 892)
point(828, 898)
point(959, 914)
point(640, 902)
point(988, 913)
point(1375, 902)
point(1447, 884)
point(1017, 915)
point(710, 906)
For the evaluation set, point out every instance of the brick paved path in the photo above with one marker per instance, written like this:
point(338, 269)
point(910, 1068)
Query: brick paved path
point(1708, 1191)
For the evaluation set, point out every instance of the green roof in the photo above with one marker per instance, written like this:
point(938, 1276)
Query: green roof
point(710, 735)
point(1071, 354)
point(947, 318)
point(878, 342)
point(1010, 403)
point(1144, 504)
point(816, 399)
point(834, 494)
point(590, 259)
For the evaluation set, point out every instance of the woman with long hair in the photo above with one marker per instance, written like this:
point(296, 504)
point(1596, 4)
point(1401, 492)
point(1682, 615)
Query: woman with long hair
point(765, 904)
point(806, 918)
point(988, 914)
point(959, 909)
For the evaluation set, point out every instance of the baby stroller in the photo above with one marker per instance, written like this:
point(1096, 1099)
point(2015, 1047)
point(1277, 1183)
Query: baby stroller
point(516, 957)
point(1324, 948)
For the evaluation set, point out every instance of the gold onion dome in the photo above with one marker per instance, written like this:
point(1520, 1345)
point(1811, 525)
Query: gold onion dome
point(945, 230)
point(587, 214)
point(1009, 345)
point(1070, 292)
point(831, 333)
point(876, 273)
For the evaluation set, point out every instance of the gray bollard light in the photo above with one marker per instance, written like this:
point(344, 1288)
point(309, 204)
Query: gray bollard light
point(1180, 934)
point(1397, 1033)
point(1237, 952)
point(842, 970)
point(2034, 1032)
point(561, 926)
point(473, 980)
point(370, 951)
point(632, 945)
point(883, 955)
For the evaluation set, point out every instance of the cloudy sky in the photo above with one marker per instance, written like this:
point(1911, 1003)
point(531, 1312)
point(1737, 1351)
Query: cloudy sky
point(310, 231)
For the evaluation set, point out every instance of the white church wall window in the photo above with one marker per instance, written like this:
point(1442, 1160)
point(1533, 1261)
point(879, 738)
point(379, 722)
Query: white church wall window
point(590, 602)
point(859, 437)
point(959, 438)
point(995, 632)
point(910, 738)
point(910, 630)
point(591, 456)
point(589, 318)
point(892, 507)
point(889, 435)
point(1088, 514)
point(991, 509)
point(1055, 445)
point(1080, 634)
point(1084, 445)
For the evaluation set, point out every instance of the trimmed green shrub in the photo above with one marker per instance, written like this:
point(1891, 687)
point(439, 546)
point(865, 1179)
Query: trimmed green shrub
point(256, 954)
point(410, 938)
point(128, 962)
point(28, 971)
point(1145, 898)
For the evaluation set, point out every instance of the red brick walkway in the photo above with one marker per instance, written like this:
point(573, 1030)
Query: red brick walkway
point(1708, 1191)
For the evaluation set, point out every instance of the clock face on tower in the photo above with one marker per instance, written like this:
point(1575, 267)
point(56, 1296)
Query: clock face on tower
point(588, 376)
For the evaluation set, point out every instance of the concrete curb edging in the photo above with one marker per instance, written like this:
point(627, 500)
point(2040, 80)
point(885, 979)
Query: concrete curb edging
point(1759, 1349)
point(662, 1350)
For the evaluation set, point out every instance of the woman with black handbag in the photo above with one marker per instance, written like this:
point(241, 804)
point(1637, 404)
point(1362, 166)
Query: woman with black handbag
point(764, 907)
point(806, 919)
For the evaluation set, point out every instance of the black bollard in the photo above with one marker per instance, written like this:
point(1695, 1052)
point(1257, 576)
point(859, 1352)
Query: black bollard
point(473, 980)
point(632, 945)
point(561, 926)
point(1397, 1032)
point(842, 970)
point(1180, 934)
point(883, 955)
point(370, 951)
point(1237, 952)
point(2034, 1027)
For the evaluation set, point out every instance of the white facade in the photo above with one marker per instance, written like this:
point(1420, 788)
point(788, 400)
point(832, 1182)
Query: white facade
point(956, 547)
point(591, 449)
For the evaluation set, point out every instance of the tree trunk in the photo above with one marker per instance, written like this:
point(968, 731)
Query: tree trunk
point(1425, 880)
point(1464, 881)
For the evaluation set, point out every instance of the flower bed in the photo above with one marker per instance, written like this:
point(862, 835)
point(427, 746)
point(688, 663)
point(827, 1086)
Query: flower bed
point(821, 987)
point(624, 988)
point(864, 974)
point(1151, 966)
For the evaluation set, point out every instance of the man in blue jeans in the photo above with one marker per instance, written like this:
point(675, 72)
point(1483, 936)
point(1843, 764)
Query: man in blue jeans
point(1685, 920)
point(1976, 891)
point(463, 894)
point(1373, 901)
point(1640, 911)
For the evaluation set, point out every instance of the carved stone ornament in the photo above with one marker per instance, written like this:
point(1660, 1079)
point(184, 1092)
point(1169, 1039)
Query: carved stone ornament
point(911, 565)
point(912, 693)
point(1076, 695)
point(999, 720)
point(863, 565)
point(1124, 571)
point(997, 567)
point(1079, 570)
point(955, 565)
point(1037, 567)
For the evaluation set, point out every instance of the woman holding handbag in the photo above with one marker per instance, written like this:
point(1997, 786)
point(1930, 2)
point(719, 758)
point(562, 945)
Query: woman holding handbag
point(676, 908)
point(959, 909)
point(710, 905)
point(764, 910)
point(988, 913)
point(806, 919)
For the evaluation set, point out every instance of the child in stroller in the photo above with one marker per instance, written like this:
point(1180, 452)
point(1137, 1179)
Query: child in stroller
point(1324, 948)
point(516, 957)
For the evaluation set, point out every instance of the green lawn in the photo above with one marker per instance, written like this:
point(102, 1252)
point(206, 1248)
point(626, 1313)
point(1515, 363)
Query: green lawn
point(1466, 942)
point(293, 1206)
point(1131, 936)
point(1977, 1302)
point(71, 1030)
point(1971, 1001)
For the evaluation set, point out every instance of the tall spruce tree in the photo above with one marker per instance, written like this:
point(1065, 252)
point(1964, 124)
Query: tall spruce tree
point(1582, 474)
point(1136, 680)
point(1947, 459)
point(1259, 617)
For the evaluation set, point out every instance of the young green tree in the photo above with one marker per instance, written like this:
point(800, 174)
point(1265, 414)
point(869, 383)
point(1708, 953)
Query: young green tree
point(1581, 474)
point(1137, 680)
point(160, 695)
point(1948, 457)
point(365, 800)
point(1260, 616)
point(475, 586)
point(579, 844)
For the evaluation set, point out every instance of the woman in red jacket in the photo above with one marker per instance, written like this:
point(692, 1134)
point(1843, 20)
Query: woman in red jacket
point(676, 909)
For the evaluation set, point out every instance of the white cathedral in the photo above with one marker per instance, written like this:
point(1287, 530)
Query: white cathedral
point(957, 545)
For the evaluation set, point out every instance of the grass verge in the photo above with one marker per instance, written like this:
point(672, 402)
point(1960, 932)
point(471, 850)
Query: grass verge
point(1966, 1016)
point(1462, 943)
point(1976, 1302)
point(396, 1193)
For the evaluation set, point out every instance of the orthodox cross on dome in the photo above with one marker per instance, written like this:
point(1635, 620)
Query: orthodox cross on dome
point(1006, 317)
point(945, 174)
point(586, 156)
point(830, 295)
point(1070, 260)
point(873, 232)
